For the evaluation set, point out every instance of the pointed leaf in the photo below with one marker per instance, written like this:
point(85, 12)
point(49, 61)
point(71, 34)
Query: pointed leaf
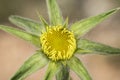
point(34, 63)
point(76, 65)
point(83, 26)
point(43, 21)
point(96, 47)
point(83, 51)
point(53, 68)
point(63, 74)
point(27, 24)
point(24, 35)
point(54, 12)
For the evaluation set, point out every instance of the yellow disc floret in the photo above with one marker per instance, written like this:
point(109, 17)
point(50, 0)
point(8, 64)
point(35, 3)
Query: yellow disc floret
point(58, 43)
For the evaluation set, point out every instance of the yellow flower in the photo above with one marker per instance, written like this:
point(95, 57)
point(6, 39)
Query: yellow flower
point(58, 43)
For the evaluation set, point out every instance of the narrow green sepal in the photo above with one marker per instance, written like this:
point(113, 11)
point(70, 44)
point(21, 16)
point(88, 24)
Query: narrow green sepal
point(43, 21)
point(22, 34)
point(66, 23)
point(76, 65)
point(34, 63)
point(83, 26)
point(63, 73)
point(91, 46)
point(52, 69)
point(28, 25)
point(54, 13)
point(82, 51)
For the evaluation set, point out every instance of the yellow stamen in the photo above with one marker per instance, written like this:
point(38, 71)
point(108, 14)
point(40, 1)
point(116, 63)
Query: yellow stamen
point(58, 43)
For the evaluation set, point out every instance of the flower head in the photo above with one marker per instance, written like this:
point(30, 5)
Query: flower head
point(58, 43)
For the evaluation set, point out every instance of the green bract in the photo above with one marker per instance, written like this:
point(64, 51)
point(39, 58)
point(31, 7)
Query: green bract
point(59, 67)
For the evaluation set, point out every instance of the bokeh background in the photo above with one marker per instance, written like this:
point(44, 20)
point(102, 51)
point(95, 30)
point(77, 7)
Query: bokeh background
point(14, 51)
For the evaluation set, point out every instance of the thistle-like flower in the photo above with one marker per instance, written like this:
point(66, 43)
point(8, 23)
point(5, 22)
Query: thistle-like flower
point(58, 43)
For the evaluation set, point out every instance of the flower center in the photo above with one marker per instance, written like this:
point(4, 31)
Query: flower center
point(58, 43)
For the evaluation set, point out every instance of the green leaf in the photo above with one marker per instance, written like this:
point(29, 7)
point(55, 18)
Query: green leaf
point(63, 74)
point(24, 35)
point(43, 21)
point(91, 46)
point(83, 26)
point(27, 24)
point(54, 13)
point(34, 63)
point(83, 51)
point(53, 68)
point(76, 65)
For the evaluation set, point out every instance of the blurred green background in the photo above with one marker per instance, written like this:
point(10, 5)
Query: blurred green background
point(14, 51)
